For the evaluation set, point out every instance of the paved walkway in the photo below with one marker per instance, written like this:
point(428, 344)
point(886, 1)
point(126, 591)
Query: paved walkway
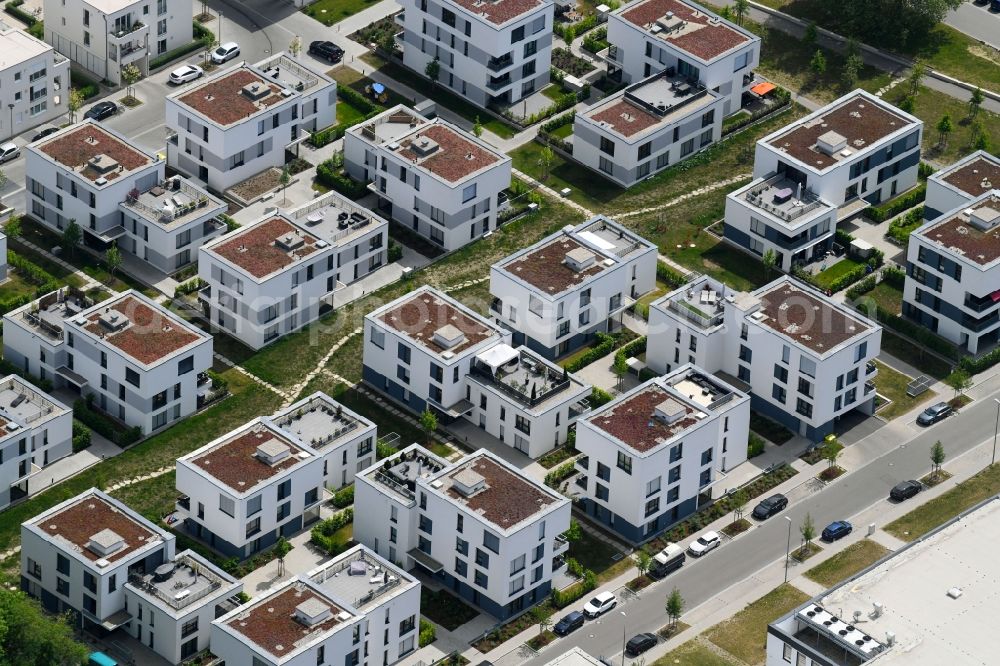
point(89, 282)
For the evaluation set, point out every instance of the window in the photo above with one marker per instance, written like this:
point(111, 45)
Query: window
point(601, 492)
point(804, 408)
point(517, 35)
point(437, 372)
point(132, 377)
point(481, 579)
point(805, 387)
point(607, 146)
point(643, 170)
point(645, 150)
point(62, 586)
point(482, 559)
point(852, 376)
point(758, 227)
point(253, 505)
point(378, 337)
point(89, 581)
point(185, 365)
point(189, 627)
point(528, 68)
point(284, 489)
point(624, 463)
point(253, 527)
point(531, 48)
point(653, 486)
point(517, 585)
point(522, 424)
point(663, 159)
point(687, 148)
point(89, 604)
point(584, 318)
point(34, 569)
point(676, 452)
point(652, 506)
point(778, 393)
point(781, 373)
point(469, 193)
point(461, 568)
point(517, 564)
point(425, 524)
point(461, 545)
point(706, 456)
point(62, 564)
point(563, 329)
point(403, 352)
point(807, 366)
point(227, 506)
point(491, 541)
point(403, 374)
point(538, 553)
point(860, 351)
point(603, 472)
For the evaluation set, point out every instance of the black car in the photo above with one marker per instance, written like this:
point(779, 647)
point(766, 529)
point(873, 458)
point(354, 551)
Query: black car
point(934, 413)
point(905, 490)
point(44, 132)
point(569, 623)
point(770, 506)
point(327, 50)
point(838, 529)
point(639, 644)
point(101, 110)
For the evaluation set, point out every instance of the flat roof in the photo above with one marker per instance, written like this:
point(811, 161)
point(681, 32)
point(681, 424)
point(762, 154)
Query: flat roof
point(337, 220)
point(138, 327)
point(575, 656)
point(93, 152)
point(234, 95)
point(499, 12)
point(233, 459)
point(174, 203)
point(188, 579)
point(361, 578)
point(423, 314)
point(506, 497)
point(527, 378)
point(46, 315)
point(546, 267)
point(111, 6)
point(270, 622)
point(17, 46)
point(930, 627)
point(960, 233)
point(693, 29)
point(23, 404)
point(782, 200)
point(405, 468)
point(321, 422)
point(634, 419)
point(257, 250)
point(92, 514)
point(858, 120)
point(655, 102)
point(805, 316)
point(975, 175)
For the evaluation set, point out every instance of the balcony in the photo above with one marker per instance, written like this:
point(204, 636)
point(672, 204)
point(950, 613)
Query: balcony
point(499, 83)
point(561, 545)
point(400, 18)
point(499, 64)
point(527, 380)
point(579, 408)
point(131, 51)
point(870, 368)
point(869, 387)
point(183, 504)
point(583, 462)
point(695, 314)
point(138, 31)
point(612, 55)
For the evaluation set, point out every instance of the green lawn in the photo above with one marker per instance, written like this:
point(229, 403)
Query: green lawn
point(329, 12)
point(553, 92)
point(914, 354)
point(15, 286)
point(598, 556)
point(348, 114)
point(892, 384)
point(887, 297)
point(52, 268)
point(943, 508)
point(745, 634)
point(846, 563)
point(347, 76)
point(562, 132)
point(694, 653)
point(825, 279)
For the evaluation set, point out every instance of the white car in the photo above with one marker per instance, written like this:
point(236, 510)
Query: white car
point(600, 605)
point(8, 151)
point(706, 542)
point(225, 53)
point(185, 74)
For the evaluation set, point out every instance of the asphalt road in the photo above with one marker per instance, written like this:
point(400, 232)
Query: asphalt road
point(700, 580)
point(977, 21)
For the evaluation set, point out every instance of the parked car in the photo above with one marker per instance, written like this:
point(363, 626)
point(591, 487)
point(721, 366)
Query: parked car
point(100, 659)
point(326, 50)
point(185, 73)
point(8, 151)
point(639, 644)
point(667, 561)
point(838, 529)
point(44, 132)
point(225, 53)
point(769, 507)
point(905, 490)
point(706, 542)
point(101, 110)
point(569, 623)
point(600, 605)
point(934, 413)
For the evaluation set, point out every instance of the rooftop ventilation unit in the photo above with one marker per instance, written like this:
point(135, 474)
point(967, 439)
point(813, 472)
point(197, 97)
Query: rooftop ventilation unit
point(101, 182)
point(669, 411)
point(113, 320)
point(312, 611)
point(985, 218)
point(289, 241)
point(424, 146)
point(831, 143)
point(580, 259)
point(448, 336)
point(273, 452)
point(102, 163)
point(468, 482)
point(255, 91)
point(105, 542)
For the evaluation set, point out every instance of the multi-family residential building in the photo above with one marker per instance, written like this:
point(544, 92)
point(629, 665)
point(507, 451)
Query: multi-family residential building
point(141, 362)
point(921, 605)
point(646, 127)
point(491, 53)
point(960, 183)
point(35, 431)
point(345, 439)
point(555, 295)
point(953, 274)
point(277, 275)
point(428, 351)
point(118, 194)
point(103, 36)
point(479, 526)
point(241, 121)
point(652, 452)
point(575, 656)
point(684, 39)
point(34, 83)
point(79, 555)
point(172, 606)
point(244, 490)
point(805, 360)
point(355, 609)
point(429, 175)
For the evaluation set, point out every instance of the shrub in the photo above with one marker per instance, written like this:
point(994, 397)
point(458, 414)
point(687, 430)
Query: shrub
point(219, 383)
point(103, 425)
point(395, 251)
point(914, 331)
point(900, 228)
point(14, 9)
point(755, 445)
point(751, 118)
point(599, 397)
point(669, 276)
point(188, 287)
point(203, 39)
point(344, 497)
point(81, 436)
point(843, 238)
point(861, 288)
point(329, 175)
point(924, 171)
point(558, 121)
point(427, 633)
point(977, 365)
point(894, 276)
point(605, 343)
point(324, 534)
point(560, 474)
point(896, 206)
point(563, 598)
point(8, 368)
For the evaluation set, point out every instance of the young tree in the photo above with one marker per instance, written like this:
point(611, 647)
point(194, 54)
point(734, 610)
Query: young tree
point(944, 128)
point(818, 63)
point(917, 74)
point(545, 159)
point(831, 451)
point(429, 423)
point(74, 102)
point(477, 128)
point(433, 70)
point(295, 46)
point(72, 236)
point(770, 260)
point(620, 368)
point(130, 75)
point(281, 548)
point(674, 607)
point(808, 530)
point(13, 227)
point(960, 381)
point(937, 458)
point(740, 10)
point(738, 501)
point(643, 561)
point(811, 38)
point(387, 42)
point(907, 103)
point(975, 101)
point(284, 180)
point(852, 69)
point(978, 138)
point(113, 259)
point(852, 48)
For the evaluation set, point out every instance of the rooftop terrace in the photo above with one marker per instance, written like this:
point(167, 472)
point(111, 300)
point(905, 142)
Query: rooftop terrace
point(403, 471)
point(647, 417)
point(93, 152)
point(181, 584)
point(45, 315)
point(438, 325)
point(267, 246)
point(249, 456)
point(976, 176)
point(23, 404)
point(234, 95)
point(173, 203)
point(686, 26)
point(656, 102)
point(973, 233)
point(784, 200)
point(321, 421)
point(523, 376)
point(804, 316)
point(337, 220)
point(499, 12)
point(361, 578)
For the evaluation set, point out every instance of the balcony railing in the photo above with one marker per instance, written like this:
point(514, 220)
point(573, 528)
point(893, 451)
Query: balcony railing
point(869, 387)
point(870, 367)
point(694, 315)
point(498, 84)
point(561, 545)
point(523, 394)
point(400, 18)
point(499, 64)
point(135, 27)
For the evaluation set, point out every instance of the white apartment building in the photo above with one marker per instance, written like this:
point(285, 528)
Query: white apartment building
point(239, 122)
point(355, 609)
point(953, 274)
point(428, 351)
point(647, 127)
point(140, 361)
point(79, 555)
point(805, 360)
point(479, 526)
point(429, 175)
point(274, 276)
point(34, 83)
point(35, 431)
point(652, 452)
point(684, 39)
point(492, 54)
point(118, 194)
point(172, 607)
point(103, 36)
point(555, 295)
point(958, 184)
point(345, 439)
point(242, 491)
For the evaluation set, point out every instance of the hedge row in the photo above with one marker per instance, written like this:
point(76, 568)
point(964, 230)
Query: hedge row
point(604, 346)
point(896, 206)
point(329, 175)
point(103, 425)
point(8, 368)
point(324, 534)
point(359, 102)
point(563, 598)
point(977, 365)
point(560, 474)
point(344, 497)
point(862, 288)
point(599, 397)
point(81, 436)
point(188, 287)
point(916, 332)
point(558, 121)
point(669, 276)
point(901, 228)
point(203, 39)
point(14, 9)
point(755, 445)
point(31, 273)
point(785, 101)
point(427, 633)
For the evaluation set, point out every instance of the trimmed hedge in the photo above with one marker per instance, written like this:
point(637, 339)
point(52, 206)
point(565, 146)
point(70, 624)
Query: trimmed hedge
point(599, 397)
point(32, 273)
point(335, 132)
point(861, 288)
point(103, 425)
point(605, 345)
point(329, 175)
point(203, 39)
point(894, 276)
point(755, 445)
point(14, 9)
point(901, 228)
point(669, 276)
point(344, 497)
point(785, 98)
point(81, 436)
point(189, 287)
point(427, 633)
point(976, 365)
point(916, 332)
point(324, 534)
point(86, 86)
point(8, 368)
point(557, 122)
point(563, 598)
point(896, 206)
point(560, 474)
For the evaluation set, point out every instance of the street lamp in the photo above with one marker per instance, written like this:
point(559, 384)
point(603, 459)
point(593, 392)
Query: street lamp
point(788, 546)
point(220, 27)
point(624, 621)
point(996, 426)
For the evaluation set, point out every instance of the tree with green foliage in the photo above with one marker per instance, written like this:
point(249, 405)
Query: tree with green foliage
point(295, 46)
point(13, 227)
point(916, 77)
point(643, 561)
point(620, 368)
point(741, 8)
point(975, 102)
point(113, 258)
point(808, 530)
point(130, 76)
point(387, 42)
point(281, 548)
point(433, 70)
point(818, 64)
point(429, 424)
point(74, 103)
point(811, 38)
point(937, 458)
point(852, 70)
point(674, 607)
point(545, 159)
point(831, 452)
point(477, 128)
point(31, 637)
point(284, 180)
point(575, 532)
point(898, 24)
point(978, 138)
point(738, 501)
point(770, 260)
point(960, 381)
point(944, 128)
point(72, 235)
point(907, 103)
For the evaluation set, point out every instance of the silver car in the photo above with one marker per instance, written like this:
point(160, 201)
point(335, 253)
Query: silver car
point(8, 151)
point(185, 74)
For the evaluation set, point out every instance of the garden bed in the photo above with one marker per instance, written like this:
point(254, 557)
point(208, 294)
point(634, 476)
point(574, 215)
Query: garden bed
point(856, 557)
point(257, 186)
point(557, 455)
point(804, 552)
point(639, 583)
point(830, 473)
point(536, 643)
point(770, 430)
point(737, 527)
point(505, 632)
point(935, 478)
point(571, 64)
point(668, 631)
point(445, 609)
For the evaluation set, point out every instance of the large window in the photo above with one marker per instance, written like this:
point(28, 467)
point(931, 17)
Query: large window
point(624, 463)
point(491, 541)
point(607, 146)
point(227, 505)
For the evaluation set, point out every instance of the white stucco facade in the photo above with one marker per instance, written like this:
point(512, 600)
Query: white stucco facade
point(34, 78)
